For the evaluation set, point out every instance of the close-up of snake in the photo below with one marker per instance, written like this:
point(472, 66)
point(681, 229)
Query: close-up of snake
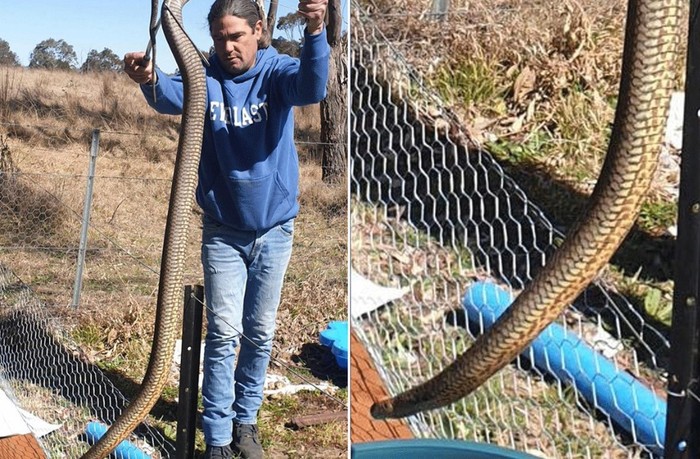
point(650, 54)
point(168, 308)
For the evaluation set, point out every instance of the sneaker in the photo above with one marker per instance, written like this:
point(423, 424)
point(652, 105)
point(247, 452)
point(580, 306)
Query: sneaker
point(246, 442)
point(218, 452)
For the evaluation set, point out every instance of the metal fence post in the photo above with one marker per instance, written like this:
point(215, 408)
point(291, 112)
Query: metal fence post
point(189, 372)
point(87, 206)
point(440, 9)
point(683, 418)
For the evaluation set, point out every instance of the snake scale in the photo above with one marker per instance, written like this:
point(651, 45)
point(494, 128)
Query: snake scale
point(167, 322)
point(650, 52)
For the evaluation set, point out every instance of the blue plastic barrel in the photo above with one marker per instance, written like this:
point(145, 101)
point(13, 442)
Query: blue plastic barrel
point(125, 450)
point(559, 352)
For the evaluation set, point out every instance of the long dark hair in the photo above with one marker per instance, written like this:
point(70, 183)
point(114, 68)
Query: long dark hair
point(244, 9)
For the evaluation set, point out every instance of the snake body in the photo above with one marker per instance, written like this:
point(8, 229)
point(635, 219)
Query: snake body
point(650, 52)
point(168, 318)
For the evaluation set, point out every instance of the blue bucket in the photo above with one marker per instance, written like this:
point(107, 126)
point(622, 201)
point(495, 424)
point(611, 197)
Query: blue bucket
point(335, 336)
point(434, 449)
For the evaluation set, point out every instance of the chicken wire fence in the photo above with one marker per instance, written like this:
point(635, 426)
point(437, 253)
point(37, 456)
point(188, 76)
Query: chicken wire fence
point(56, 362)
point(46, 375)
point(435, 215)
point(58, 356)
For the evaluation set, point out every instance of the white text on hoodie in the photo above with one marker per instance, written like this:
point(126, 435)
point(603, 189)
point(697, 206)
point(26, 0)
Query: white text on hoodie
point(237, 116)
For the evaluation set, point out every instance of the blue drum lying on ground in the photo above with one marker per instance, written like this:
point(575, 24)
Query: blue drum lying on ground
point(628, 402)
point(335, 336)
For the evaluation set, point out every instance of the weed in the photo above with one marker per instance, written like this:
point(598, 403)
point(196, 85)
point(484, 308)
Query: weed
point(521, 153)
point(7, 93)
point(88, 335)
point(7, 165)
point(469, 83)
point(657, 215)
point(582, 128)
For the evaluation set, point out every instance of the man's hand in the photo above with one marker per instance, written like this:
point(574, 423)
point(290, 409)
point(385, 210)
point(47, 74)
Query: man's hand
point(138, 69)
point(314, 11)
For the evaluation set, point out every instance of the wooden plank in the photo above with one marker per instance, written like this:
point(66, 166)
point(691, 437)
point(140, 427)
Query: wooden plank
point(21, 446)
point(319, 418)
point(366, 387)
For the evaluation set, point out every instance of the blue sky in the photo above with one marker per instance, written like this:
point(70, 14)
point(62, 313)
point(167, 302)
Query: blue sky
point(121, 26)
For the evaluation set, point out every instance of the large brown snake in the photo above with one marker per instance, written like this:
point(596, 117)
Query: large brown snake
point(168, 317)
point(651, 43)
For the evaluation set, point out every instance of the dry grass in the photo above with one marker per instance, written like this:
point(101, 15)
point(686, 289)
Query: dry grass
point(54, 108)
point(537, 83)
point(46, 123)
point(540, 76)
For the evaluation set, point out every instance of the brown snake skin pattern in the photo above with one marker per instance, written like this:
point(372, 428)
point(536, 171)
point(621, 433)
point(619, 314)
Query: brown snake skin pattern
point(168, 318)
point(651, 44)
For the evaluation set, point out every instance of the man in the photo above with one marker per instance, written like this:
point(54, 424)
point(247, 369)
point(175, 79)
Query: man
point(248, 185)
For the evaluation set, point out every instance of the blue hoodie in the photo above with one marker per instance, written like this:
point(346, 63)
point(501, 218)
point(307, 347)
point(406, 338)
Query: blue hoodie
point(248, 171)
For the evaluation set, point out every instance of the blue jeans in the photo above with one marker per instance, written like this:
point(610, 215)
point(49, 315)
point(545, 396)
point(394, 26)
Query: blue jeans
point(243, 274)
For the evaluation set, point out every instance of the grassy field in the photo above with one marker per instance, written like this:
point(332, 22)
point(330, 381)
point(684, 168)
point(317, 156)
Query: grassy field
point(46, 120)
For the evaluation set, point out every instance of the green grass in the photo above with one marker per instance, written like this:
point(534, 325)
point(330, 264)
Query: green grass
point(535, 149)
point(89, 336)
point(658, 305)
point(470, 82)
point(657, 215)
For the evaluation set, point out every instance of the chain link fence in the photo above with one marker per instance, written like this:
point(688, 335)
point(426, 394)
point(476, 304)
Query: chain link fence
point(434, 213)
point(56, 362)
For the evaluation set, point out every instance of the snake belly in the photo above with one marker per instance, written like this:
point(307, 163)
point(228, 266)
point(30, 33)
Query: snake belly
point(650, 52)
point(168, 317)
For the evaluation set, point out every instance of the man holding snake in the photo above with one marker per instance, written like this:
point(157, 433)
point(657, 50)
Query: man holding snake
point(248, 185)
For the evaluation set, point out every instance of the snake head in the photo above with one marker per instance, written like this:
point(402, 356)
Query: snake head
point(382, 409)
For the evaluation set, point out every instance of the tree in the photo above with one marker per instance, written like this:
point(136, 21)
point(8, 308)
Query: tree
point(7, 57)
point(284, 46)
point(290, 22)
point(334, 106)
point(272, 16)
point(53, 54)
point(104, 61)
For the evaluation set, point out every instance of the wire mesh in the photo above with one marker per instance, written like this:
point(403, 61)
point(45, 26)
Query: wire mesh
point(434, 213)
point(48, 375)
point(55, 357)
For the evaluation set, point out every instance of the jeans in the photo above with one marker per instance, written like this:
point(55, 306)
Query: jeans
point(243, 274)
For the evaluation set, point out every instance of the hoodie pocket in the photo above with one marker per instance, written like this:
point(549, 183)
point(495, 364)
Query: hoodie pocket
point(262, 202)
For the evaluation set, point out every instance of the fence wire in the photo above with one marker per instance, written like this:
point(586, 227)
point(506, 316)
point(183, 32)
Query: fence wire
point(45, 373)
point(51, 348)
point(435, 214)
point(57, 358)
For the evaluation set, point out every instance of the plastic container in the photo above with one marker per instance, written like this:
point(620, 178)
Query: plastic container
point(433, 449)
point(335, 336)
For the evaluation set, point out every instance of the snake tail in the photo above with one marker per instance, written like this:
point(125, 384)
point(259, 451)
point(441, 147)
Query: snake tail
point(168, 317)
point(650, 53)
